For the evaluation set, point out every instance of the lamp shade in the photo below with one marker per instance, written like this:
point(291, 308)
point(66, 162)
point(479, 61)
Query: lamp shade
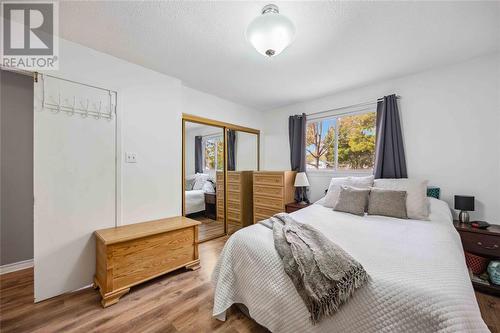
point(301, 180)
point(271, 32)
point(464, 202)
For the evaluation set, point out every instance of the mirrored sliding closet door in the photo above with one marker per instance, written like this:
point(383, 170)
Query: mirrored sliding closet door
point(204, 178)
point(242, 160)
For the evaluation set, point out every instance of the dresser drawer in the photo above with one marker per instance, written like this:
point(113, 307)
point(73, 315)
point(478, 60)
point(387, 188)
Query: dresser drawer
point(257, 218)
point(219, 177)
point(264, 211)
point(233, 215)
point(265, 202)
point(233, 178)
point(481, 244)
point(233, 196)
point(268, 191)
point(233, 187)
point(233, 205)
point(268, 179)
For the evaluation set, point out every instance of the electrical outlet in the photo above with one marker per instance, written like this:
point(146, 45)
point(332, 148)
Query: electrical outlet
point(131, 157)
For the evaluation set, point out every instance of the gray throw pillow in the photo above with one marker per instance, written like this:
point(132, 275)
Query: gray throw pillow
point(387, 203)
point(352, 200)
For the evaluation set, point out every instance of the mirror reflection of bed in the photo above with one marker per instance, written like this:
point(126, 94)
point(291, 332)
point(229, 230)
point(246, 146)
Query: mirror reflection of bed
point(204, 159)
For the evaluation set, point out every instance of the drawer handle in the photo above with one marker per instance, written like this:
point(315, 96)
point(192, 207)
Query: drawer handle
point(493, 247)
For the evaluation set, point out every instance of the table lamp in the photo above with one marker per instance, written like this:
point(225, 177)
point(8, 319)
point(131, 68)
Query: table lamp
point(465, 204)
point(301, 182)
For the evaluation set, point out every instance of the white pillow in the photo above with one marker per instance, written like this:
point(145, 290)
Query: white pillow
point(190, 182)
point(417, 205)
point(208, 187)
point(201, 178)
point(336, 184)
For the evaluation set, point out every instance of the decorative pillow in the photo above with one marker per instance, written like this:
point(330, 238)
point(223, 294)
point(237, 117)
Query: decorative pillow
point(387, 203)
point(208, 187)
point(417, 206)
point(189, 183)
point(433, 192)
point(352, 200)
point(335, 185)
point(200, 180)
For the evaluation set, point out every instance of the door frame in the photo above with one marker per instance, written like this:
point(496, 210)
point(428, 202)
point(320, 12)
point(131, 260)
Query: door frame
point(225, 127)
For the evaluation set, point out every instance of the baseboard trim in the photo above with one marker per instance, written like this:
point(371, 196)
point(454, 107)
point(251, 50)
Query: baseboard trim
point(16, 266)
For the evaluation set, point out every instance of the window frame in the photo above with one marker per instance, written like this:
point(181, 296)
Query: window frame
point(217, 138)
point(336, 171)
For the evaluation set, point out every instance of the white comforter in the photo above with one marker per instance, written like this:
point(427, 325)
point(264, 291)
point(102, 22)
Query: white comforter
point(195, 201)
point(419, 281)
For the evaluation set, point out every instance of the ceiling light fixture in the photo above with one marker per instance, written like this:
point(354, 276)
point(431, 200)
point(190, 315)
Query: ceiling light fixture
point(271, 32)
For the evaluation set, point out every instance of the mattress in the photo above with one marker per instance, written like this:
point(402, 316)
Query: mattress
point(418, 278)
point(195, 201)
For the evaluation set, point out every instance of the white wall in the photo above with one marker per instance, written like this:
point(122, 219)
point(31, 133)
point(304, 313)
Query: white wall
point(450, 119)
point(150, 107)
point(246, 151)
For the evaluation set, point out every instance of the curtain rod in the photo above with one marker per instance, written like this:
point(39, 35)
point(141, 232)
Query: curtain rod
point(348, 106)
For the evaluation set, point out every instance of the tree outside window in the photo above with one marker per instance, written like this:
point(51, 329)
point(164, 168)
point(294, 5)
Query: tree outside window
point(213, 153)
point(344, 143)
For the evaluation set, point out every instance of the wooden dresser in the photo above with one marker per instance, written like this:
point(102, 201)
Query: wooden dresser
point(272, 190)
point(239, 197)
point(484, 243)
point(219, 190)
point(134, 253)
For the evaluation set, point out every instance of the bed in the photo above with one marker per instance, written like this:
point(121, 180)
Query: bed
point(196, 187)
point(195, 201)
point(418, 278)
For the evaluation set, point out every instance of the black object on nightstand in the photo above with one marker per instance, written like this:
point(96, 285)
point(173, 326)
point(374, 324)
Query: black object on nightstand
point(484, 243)
point(294, 206)
point(210, 206)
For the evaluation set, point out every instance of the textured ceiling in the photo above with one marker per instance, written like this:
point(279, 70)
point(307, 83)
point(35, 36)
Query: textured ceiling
point(338, 45)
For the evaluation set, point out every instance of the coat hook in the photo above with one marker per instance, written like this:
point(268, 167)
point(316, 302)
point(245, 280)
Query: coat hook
point(86, 114)
point(99, 111)
point(74, 102)
point(58, 102)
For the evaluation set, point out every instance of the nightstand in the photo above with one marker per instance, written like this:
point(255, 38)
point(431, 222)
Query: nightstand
point(294, 206)
point(484, 243)
point(210, 206)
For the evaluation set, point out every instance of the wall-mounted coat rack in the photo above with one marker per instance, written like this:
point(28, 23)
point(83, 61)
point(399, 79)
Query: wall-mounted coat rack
point(86, 100)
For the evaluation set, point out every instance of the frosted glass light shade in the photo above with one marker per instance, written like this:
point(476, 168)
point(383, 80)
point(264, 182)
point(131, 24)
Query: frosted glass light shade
point(271, 32)
point(301, 180)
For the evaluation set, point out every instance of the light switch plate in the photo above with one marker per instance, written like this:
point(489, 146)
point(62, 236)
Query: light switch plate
point(130, 157)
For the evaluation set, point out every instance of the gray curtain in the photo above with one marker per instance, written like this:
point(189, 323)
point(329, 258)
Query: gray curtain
point(198, 154)
point(297, 140)
point(389, 152)
point(231, 150)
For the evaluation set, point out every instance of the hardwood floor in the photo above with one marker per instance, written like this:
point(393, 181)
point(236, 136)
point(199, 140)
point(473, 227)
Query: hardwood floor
point(177, 302)
point(490, 310)
point(209, 228)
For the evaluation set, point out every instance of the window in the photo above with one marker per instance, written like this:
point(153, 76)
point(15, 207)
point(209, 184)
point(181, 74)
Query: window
point(341, 143)
point(213, 153)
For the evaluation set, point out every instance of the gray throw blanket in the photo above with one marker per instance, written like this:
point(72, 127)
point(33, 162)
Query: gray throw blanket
point(324, 275)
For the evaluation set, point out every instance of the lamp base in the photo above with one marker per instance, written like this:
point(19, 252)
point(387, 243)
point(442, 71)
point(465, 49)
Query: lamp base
point(464, 216)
